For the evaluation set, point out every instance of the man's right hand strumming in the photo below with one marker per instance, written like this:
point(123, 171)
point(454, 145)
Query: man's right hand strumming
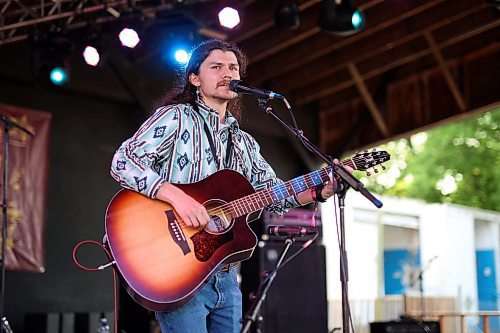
point(189, 210)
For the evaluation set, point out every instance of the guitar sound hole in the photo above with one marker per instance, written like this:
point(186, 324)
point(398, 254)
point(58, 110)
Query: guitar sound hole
point(217, 224)
point(220, 221)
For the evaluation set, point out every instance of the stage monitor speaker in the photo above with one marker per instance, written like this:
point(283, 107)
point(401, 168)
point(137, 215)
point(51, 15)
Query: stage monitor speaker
point(131, 316)
point(405, 326)
point(296, 301)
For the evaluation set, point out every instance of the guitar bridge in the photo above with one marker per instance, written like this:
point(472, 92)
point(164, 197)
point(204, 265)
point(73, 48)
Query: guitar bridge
point(176, 232)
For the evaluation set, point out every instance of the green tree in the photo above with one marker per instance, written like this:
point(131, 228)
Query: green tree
point(457, 163)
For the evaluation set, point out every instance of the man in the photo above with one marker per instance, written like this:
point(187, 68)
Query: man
point(191, 136)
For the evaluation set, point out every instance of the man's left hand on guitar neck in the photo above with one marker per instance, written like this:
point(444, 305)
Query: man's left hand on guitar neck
point(327, 190)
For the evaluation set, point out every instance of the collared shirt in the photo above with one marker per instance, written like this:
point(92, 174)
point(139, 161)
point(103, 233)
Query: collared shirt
point(172, 146)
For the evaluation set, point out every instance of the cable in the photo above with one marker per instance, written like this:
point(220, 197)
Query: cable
point(100, 268)
point(302, 248)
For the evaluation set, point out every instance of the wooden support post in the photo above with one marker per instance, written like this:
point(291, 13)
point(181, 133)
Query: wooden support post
point(442, 326)
point(486, 324)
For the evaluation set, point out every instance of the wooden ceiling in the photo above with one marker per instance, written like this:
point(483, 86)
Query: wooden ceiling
point(415, 64)
point(354, 82)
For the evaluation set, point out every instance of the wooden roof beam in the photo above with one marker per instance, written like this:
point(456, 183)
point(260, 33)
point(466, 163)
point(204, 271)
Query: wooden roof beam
point(327, 65)
point(258, 19)
point(446, 71)
point(306, 96)
point(301, 54)
point(368, 99)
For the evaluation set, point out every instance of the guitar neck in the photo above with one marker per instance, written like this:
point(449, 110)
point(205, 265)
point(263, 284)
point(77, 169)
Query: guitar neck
point(280, 191)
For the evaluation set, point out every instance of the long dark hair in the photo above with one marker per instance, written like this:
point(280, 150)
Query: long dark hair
point(185, 92)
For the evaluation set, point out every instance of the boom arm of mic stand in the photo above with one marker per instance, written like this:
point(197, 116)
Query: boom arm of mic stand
point(11, 123)
point(336, 168)
point(355, 184)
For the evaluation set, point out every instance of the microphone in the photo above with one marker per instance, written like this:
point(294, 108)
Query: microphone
point(293, 230)
point(240, 87)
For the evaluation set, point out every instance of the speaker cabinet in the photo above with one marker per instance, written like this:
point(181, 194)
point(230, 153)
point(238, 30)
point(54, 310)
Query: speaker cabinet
point(296, 301)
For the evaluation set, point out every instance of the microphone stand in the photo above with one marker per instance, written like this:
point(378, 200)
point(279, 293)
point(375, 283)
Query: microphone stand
point(8, 124)
point(346, 181)
point(252, 315)
point(420, 280)
point(344, 270)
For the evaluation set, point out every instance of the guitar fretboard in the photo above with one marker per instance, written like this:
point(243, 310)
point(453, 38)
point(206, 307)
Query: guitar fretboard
point(278, 192)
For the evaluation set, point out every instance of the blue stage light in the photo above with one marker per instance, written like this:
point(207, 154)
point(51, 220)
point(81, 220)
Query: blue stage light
point(58, 76)
point(181, 56)
point(357, 20)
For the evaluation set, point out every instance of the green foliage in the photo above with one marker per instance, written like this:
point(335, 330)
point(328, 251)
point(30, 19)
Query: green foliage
point(457, 163)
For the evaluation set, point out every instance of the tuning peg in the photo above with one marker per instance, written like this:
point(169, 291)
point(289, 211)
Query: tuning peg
point(375, 169)
point(383, 167)
point(368, 173)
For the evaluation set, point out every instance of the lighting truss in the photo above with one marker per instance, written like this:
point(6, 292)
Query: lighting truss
point(19, 17)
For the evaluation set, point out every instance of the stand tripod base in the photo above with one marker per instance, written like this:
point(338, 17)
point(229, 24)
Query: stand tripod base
point(5, 326)
point(405, 326)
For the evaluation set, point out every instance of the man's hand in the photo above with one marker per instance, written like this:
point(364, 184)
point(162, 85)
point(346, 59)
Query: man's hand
point(189, 210)
point(331, 185)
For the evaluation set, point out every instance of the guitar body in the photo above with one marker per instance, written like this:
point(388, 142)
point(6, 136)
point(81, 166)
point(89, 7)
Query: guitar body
point(164, 263)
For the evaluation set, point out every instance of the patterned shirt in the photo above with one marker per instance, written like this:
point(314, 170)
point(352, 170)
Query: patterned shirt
point(172, 146)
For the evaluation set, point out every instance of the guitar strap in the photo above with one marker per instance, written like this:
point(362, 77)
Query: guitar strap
point(229, 146)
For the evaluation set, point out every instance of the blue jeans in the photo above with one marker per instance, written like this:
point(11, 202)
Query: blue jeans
point(216, 308)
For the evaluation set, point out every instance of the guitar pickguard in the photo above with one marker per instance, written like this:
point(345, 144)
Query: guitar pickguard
point(206, 244)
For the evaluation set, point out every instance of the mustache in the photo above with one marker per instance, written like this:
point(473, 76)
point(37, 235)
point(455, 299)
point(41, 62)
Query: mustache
point(223, 83)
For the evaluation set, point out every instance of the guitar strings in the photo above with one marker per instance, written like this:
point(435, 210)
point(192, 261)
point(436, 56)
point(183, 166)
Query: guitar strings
point(239, 206)
point(254, 198)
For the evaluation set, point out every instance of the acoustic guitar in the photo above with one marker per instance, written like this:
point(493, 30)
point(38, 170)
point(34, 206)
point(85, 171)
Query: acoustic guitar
point(163, 263)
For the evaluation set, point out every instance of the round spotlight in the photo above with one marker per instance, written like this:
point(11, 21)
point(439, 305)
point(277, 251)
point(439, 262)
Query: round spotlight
point(287, 15)
point(181, 56)
point(129, 38)
point(91, 56)
point(340, 18)
point(229, 17)
point(58, 76)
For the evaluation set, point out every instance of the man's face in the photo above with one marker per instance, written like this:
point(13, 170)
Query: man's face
point(218, 69)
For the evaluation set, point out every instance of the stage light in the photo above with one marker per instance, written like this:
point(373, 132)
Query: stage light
point(51, 58)
point(58, 76)
point(181, 56)
point(287, 15)
point(340, 18)
point(357, 19)
point(91, 56)
point(129, 38)
point(229, 17)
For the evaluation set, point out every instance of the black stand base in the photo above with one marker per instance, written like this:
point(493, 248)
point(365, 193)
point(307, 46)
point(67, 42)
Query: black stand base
point(5, 326)
point(405, 325)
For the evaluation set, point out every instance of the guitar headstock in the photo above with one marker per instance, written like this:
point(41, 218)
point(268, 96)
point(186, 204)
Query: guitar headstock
point(369, 159)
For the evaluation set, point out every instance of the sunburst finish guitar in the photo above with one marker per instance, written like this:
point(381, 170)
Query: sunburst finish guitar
point(163, 263)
